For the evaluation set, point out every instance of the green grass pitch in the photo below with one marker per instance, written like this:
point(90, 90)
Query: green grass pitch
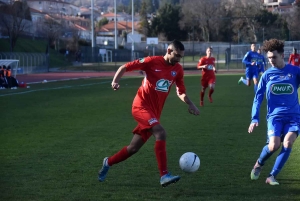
point(54, 136)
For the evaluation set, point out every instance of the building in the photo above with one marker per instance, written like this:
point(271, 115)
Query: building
point(106, 33)
point(54, 7)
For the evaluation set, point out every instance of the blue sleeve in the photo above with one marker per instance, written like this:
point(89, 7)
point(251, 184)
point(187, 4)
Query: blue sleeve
point(298, 75)
point(258, 98)
point(245, 59)
point(264, 62)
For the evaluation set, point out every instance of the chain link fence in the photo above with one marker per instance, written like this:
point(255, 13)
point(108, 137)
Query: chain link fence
point(228, 56)
point(29, 63)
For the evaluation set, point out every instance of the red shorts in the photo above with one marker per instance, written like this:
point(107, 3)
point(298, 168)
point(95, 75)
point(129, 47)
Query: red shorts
point(146, 119)
point(207, 80)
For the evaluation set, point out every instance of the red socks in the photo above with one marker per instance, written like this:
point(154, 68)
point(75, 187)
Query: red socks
point(160, 152)
point(202, 95)
point(118, 157)
point(211, 91)
point(161, 156)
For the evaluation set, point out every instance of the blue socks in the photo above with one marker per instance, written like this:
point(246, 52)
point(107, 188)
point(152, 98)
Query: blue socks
point(265, 154)
point(245, 81)
point(255, 88)
point(281, 160)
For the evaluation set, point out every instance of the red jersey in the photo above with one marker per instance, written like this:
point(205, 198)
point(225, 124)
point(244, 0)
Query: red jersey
point(210, 62)
point(294, 59)
point(156, 85)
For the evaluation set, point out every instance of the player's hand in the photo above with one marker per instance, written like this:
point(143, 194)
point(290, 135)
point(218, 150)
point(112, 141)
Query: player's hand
point(252, 126)
point(193, 110)
point(253, 63)
point(115, 86)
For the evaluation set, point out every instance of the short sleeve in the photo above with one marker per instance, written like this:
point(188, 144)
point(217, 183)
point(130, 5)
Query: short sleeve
point(139, 64)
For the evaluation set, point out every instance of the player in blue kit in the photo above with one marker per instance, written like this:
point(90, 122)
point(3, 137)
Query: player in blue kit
point(250, 60)
point(280, 84)
point(261, 63)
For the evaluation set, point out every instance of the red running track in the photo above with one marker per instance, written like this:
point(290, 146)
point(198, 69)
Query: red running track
point(59, 76)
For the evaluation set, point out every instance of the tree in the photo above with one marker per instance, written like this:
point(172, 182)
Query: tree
point(244, 19)
point(149, 6)
point(15, 19)
point(266, 21)
point(144, 19)
point(166, 23)
point(51, 29)
point(203, 17)
point(293, 21)
point(163, 2)
point(102, 22)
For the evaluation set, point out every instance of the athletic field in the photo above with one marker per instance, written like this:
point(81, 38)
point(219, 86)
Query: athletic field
point(54, 136)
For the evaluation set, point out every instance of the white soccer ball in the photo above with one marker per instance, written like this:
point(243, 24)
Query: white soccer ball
point(189, 162)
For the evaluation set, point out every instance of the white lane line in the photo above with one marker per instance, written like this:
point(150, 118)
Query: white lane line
point(64, 87)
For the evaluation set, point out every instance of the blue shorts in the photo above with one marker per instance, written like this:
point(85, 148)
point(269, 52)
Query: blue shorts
point(260, 70)
point(251, 72)
point(280, 126)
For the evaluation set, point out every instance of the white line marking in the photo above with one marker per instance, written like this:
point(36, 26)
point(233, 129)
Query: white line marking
point(64, 87)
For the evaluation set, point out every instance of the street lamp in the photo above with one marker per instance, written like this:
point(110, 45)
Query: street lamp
point(92, 23)
point(115, 19)
point(132, 44)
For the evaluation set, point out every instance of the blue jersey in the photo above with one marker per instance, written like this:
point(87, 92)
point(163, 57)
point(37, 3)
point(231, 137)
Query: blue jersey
point(261, 62)
point(250, 57)
point(281, 88)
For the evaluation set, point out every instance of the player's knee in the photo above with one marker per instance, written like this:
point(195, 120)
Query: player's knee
point(273, 146)
point(159, 133)
point(132, 149)
point(288, 143)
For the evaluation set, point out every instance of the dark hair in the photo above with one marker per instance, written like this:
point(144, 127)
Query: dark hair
point(177, 45)
point(273, 45)
point(209, 47)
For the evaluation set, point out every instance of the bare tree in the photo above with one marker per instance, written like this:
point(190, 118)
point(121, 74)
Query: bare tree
point(15, 19)
point(293, 20)
point(201, 15)
point(51, 29)
point(72, 44)
point(243, 20)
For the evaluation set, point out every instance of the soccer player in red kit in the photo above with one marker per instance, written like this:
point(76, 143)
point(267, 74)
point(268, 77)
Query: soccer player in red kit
point(207, 65)
point(294, 58)
point(161, 72)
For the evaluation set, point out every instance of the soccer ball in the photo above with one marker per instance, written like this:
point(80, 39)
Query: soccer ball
point(189, 162)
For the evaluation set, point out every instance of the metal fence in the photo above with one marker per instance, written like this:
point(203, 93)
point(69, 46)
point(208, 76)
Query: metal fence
point(29, 63)
point(228, 56)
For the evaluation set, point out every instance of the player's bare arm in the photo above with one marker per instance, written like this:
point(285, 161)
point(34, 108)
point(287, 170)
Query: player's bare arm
point(203, 66)
point(214, 69)
point(252, 126)
point(120, 72)
point(192, 108)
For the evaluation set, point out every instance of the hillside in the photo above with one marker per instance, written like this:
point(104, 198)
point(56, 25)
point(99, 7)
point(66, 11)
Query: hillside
point(34, 46)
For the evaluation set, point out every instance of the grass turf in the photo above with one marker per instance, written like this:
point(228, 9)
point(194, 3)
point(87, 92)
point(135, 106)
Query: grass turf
point(54, 137)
